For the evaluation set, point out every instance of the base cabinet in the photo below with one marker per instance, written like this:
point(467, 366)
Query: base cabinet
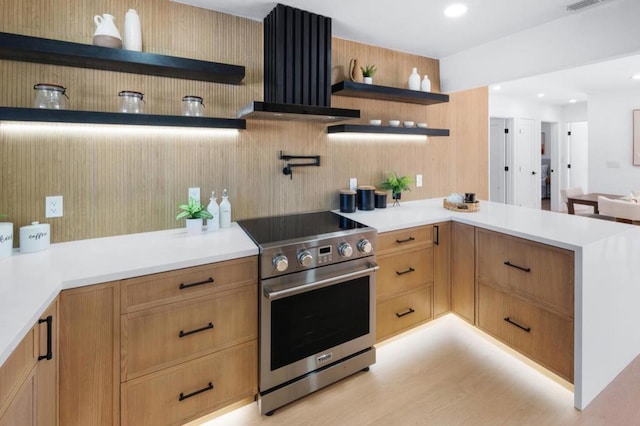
point(463, 252)
point(441, 268)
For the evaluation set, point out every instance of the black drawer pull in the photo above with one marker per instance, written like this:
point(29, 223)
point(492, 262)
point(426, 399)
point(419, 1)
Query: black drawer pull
point(506, 262)
point(405, 271)
point(405, 240)
point(527, 329)
point(197, 330)
point(407, 312)
point(183, 285)
point(182, 396)
point(49, 321)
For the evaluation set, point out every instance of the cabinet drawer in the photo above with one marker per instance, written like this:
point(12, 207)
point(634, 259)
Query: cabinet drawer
point(542, 335)
point(21, 410)
point(205, 384)
point(538, 271)
point(404, 239)
point(403, 312)
point(167, 335)
point(404, 271)
point(158, 289)
point(16, 368)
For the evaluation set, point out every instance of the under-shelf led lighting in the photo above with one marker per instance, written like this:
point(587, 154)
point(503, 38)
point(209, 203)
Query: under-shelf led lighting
point(376, 137)
point(455, 10)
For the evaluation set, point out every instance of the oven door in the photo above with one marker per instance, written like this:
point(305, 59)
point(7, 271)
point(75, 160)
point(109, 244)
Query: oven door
point(314, 318)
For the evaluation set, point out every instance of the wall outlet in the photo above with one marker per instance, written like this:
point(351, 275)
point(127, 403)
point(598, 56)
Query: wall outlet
point(353, 184)
point(419, 181)
point(53, 206)
point(194, 193)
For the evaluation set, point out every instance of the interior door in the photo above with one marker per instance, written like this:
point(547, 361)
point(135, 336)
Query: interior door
point(498, 168)
point(527, 165)
point(578, 155)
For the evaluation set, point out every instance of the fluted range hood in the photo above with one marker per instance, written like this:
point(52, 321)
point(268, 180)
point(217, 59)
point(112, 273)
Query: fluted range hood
point(297, 69)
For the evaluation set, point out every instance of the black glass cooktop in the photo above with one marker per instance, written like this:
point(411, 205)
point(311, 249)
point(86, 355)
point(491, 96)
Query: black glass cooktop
point(281, 229)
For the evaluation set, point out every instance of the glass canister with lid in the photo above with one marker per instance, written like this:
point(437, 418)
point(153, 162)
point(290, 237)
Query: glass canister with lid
point(192, 106)
point(131, 102)
point(50, 96)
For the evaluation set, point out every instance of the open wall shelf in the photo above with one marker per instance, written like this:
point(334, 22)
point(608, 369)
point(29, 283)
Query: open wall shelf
point(363, 128)
point(385, 93)
point(47, 51)
point(94, 117)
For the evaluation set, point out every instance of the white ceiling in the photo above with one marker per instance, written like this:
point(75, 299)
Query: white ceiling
point(420, 27)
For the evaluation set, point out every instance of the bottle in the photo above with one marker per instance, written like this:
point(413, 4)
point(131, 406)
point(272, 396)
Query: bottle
point(426, 84)
point(132, 31)
point(414, 80)
point(213, 224)
point(225, 210)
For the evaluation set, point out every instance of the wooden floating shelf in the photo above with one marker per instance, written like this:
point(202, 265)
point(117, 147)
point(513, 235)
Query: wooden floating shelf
point(17, 47)
point(363, 128)
point(385, 93)
point(94, 117)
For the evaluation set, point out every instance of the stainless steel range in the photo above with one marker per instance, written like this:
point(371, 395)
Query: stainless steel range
point(317, 302)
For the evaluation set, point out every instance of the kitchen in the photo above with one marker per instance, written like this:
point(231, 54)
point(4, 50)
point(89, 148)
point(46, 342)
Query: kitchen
point(126, 180)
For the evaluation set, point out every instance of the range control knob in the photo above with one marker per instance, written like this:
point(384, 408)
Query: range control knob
point(345, 250)
point(280, 262)
point(305, 258)
point(364, 246)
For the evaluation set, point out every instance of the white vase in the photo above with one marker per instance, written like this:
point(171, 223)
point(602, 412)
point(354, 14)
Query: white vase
point(414, 80)
point(194, 226)
point(6, 239)
point(426, 84)
point(368, 80)
point(132, 31)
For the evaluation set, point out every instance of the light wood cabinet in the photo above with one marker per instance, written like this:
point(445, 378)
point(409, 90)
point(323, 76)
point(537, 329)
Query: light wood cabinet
point(404, 282)
point(442, 268)
point(29, 378)
point(463, 250)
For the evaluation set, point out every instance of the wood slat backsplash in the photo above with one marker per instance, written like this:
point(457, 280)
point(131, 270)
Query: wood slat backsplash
point(120, 179)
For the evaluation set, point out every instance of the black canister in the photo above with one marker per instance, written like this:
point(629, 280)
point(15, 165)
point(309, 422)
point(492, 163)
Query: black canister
point(381, 200)
point(347, 201)
point(366, 197)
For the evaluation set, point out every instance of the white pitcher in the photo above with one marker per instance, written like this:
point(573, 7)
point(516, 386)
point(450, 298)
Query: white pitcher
point(106, 34)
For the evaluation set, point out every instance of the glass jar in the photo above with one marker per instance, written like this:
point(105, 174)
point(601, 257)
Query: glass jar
point(192, 106)
point(50, 96)
point(131, 102)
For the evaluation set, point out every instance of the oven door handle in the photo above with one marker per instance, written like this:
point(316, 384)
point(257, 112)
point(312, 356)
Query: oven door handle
point(271, 295)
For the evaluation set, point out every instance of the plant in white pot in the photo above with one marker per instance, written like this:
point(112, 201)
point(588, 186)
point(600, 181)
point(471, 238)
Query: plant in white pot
point(368, 72)
point(193, 212)
point(396, 184)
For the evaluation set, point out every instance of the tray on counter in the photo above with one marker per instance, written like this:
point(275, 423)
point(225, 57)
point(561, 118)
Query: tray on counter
point(461, 207)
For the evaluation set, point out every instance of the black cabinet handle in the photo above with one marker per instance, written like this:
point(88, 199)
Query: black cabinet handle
point(405, 271)
point(182, 396)
point(407, 312)
point(506, 262)
point(183, 286)
point(405, 240)
point(49, 321)
point(437, 228)
point(527, 329)
point(197, 330)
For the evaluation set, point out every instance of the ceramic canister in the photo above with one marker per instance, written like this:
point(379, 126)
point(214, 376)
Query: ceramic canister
point(347, 201)
point(6, 239)
point(381, 200)
point(35, 237)
point(366, 197)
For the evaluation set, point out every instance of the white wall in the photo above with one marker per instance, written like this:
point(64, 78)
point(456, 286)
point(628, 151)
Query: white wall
point(611, 142)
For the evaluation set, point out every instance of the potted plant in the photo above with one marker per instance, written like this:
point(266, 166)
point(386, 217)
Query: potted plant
point(193, 212)
point(396, 184)
point(368, 72)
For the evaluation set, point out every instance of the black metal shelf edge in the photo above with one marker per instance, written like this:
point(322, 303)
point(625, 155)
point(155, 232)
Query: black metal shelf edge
point(94, 117)
point(386, 93)
point(18, 47)
point(293, 112)
point(363, 128)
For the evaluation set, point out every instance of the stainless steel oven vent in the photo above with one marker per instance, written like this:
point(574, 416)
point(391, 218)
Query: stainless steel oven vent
point(574, 7)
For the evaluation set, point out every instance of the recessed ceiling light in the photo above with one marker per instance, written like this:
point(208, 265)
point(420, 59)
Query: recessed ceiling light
point(497, 87)
point(572, 101)
point(635, 76)
point(541, 95)
point(455, 10)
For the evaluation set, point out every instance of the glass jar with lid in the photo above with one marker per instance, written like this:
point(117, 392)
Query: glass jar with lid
point(50, 96)
point(192, 106)
point(131, 102)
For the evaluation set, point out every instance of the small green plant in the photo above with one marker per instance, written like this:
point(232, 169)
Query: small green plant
point(368, 71)
point(193, 210)
point(3, 216)
point(396, 184)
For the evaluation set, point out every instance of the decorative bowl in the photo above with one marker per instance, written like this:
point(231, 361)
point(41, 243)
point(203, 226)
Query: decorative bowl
point(408, 123)
point(422, 125)
point(394, 123)
point(375, 122)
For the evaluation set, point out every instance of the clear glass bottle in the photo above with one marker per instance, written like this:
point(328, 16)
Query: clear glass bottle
point(50, 96)
point(213, 224)
point(225, 210)
point(131, 102)
point(192, 106)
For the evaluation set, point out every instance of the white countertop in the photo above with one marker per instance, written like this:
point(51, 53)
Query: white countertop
point(30, 282)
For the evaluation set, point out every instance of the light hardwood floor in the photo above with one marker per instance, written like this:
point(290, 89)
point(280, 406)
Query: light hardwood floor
point(448, 373)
